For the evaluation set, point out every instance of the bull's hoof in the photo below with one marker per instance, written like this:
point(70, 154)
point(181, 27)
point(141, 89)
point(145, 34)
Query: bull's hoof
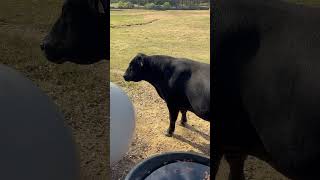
point(168, 134)
point(183, 124)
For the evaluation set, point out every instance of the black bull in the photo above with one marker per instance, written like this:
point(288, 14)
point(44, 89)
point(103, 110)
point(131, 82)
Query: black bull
point(266, 92)
point(80, 33)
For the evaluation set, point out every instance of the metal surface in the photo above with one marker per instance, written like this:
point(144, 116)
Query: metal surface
point(122, 123)
point(35, 144)
point(157, 164)
point(181, 171)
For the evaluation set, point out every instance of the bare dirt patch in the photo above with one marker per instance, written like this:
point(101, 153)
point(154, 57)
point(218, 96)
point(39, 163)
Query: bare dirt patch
point(134, 24)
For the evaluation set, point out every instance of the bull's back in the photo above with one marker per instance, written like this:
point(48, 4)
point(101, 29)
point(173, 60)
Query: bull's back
point(189, 85)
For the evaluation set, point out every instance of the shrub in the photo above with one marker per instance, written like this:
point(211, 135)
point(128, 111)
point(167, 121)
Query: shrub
point(158, 7)
point(121, 4)
point(125, 5)
point(130, 5)
point(166, 5)
point(150, 5)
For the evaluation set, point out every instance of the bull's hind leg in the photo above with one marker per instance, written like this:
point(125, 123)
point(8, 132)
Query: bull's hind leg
point(173, 113)
point(236, 162)
point(183, 118)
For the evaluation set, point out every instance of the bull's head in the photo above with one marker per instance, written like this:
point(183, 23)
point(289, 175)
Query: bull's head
point(135, 71)
point(80, 33)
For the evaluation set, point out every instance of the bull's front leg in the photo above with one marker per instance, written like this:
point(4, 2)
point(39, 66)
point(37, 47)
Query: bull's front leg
point(173, 114)
point(183, 118)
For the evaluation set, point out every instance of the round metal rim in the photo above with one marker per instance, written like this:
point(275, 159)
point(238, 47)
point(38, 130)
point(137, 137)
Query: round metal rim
point(147, 166)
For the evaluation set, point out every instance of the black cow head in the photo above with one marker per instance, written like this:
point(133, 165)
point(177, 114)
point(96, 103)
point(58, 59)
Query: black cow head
point(79, 35)
point(136, 69)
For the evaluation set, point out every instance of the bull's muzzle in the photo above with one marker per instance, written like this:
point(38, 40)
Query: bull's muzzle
point(125, 77)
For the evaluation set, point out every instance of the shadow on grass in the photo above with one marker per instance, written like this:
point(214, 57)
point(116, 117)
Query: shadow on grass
point(202, 134)
point(204, 148)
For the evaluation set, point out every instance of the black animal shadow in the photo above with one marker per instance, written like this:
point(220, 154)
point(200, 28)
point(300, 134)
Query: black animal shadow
point(202, 134)
point(204, 148)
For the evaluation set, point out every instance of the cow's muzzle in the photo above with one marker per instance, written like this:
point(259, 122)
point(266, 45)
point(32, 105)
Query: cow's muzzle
point(126, 77)
point(50, 53)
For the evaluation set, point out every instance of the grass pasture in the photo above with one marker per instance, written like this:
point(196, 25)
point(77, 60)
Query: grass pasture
point(81, 92)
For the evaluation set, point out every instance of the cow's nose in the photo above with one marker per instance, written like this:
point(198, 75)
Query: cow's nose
point(125, 77)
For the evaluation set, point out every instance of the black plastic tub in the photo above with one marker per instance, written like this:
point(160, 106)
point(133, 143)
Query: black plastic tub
point(172, 165)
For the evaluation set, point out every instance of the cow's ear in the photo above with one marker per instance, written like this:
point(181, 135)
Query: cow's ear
point(141, 58)
point(101, 7)
point(97, 6)
point(141, 62)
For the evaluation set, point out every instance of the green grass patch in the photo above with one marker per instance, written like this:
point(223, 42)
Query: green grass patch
point(125, 19)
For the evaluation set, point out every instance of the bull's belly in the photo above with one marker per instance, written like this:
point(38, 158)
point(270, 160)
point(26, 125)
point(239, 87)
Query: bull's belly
point(181, 102)
point(205, 116)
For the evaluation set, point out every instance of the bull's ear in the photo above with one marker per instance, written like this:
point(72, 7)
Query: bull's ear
point(141, 62)
point(141, 58)
point(101, 6)
point(97, 6)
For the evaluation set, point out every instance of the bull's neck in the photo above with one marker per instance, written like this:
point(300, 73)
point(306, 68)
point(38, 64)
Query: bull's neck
point(157, 70)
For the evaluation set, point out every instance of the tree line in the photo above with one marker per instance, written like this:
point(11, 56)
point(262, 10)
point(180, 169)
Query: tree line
point(167, 4)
